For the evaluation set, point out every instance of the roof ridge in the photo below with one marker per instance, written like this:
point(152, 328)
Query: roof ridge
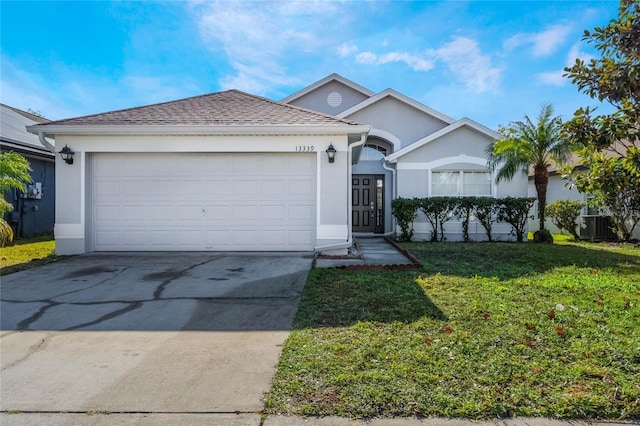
point(27, 114)
point(141, 106)
point(295, 107)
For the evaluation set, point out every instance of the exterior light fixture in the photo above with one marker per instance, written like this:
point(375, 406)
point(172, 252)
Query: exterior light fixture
point(331, 153)
point(67, 154)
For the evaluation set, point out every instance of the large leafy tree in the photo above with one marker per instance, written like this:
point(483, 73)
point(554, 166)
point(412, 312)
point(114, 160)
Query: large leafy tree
point(14, 174)
point(612, 78)
point(526, 144)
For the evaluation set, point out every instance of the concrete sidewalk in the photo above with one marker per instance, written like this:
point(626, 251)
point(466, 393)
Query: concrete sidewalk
point(373, 251)
point(256, 419)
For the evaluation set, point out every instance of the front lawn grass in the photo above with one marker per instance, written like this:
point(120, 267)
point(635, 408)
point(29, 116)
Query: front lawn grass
point(27, 253)
point(482, 330)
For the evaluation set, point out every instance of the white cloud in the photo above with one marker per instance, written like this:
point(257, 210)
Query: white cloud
point(465, 60)
point(557, 78)
point(414, 62)
point(543, 43)
point(366, 58)
point(552, 78)
point(257, 37)
point(576, 53)
point(346, 49)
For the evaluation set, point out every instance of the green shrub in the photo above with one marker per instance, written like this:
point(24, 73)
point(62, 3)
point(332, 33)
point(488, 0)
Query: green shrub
point(564, 214)
point(486, 210)
point(404, 210)
point(438, 211)
point(515, 211)
point(464, 209)
point(6, 233)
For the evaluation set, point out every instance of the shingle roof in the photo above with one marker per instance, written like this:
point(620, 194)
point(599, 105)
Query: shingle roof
point(228, 108)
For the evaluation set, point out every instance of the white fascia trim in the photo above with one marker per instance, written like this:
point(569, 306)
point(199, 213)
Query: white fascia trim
point(450, 128)
point(324, 81)
point(400, 97)
point(62, 129)
point(456, 159)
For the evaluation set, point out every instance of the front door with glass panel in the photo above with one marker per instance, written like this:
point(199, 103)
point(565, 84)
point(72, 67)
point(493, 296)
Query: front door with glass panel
point(368, 203)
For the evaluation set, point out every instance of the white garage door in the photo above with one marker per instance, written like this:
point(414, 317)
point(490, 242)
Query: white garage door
point(177, 201)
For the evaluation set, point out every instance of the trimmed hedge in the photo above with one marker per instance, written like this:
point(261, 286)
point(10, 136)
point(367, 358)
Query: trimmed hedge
point(439, 210)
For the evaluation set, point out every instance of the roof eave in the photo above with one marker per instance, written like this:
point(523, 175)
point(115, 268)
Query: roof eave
point(61, 129)
point(332, 77)
point(464, 122)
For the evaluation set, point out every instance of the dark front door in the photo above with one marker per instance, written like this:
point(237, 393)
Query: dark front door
point(368, 203)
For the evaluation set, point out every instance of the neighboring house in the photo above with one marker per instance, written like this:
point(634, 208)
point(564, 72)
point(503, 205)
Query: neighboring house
point(594, 223)
point(412, 151)
point(227, 171)
point(33, 213)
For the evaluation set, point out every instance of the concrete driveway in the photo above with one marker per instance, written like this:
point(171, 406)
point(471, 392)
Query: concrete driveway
point(147, 332)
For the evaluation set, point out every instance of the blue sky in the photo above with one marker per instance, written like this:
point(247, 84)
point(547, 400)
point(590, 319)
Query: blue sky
point(493, 62)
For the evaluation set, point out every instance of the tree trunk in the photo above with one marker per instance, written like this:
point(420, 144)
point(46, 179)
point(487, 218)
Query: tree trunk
point(541, 179)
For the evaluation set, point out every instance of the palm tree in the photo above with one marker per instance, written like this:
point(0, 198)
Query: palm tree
point(528, 144)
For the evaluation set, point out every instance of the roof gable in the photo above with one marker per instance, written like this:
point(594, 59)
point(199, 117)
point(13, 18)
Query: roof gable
point(228, 108)
point(464, 122)
point(390, 93)
point(330, 78)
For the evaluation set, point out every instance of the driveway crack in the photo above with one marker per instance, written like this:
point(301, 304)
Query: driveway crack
point(25, 323)
point(35, 348)
point(130, 307)
point(157, 294)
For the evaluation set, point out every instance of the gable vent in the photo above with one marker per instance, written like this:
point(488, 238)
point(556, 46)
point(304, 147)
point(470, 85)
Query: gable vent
point(334, 99)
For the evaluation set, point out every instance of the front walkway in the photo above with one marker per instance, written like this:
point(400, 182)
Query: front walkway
point(373, 251)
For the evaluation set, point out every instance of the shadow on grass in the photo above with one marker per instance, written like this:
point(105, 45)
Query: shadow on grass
point(510, 260)
point(337, 298)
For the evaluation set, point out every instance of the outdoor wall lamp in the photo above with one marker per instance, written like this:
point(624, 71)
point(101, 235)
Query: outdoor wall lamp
point(67, 154)
point(331, 153)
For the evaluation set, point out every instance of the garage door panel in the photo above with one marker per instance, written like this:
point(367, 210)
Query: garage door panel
point(107, 213)
point(245, 163)
point(160, 213)
point(133, 213)
point(190, 188)
point(217, 187)
point(276, 212)
point(161, 238)
point(274, 187)
point(243, 188)
point(301, 212)
point(189, 238)
point(217, 238)
point(218, 164)
point(301, 163)
point(273, 163)
point(217, 213)
point(245, 212)
point(302, 188)
point(190, 213)
point(234, 202)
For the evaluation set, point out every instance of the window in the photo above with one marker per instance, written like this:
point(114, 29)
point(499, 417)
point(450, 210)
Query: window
point(460, 183)
point(371, 152)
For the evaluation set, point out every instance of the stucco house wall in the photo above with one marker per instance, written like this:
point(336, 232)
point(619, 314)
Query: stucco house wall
point(419, 142)
point(406, 123)
point(415, 179)
point(73, 206)
point(278, 189)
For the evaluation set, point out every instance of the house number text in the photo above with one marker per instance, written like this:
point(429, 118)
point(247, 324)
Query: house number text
point(305, 148)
